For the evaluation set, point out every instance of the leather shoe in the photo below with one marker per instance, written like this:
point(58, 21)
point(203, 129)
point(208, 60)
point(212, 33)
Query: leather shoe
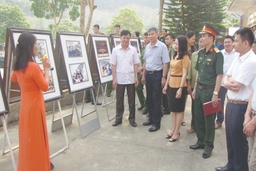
point(52, 166)
point(134, 124)
point(147, 123)
point(218, 125)
point(116, 123)
point(153, 128)
point(206, 154)
point(140, 108)
point(97, 103)
point(225, 168)
point(166, 112)
point(196, 146)
point(145, 112)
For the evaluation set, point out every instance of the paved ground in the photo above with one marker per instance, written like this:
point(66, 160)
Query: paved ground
point(124, 148)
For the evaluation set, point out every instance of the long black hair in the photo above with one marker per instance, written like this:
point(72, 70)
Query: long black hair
point(189, 35)
point(24, 50)
point(183, 47)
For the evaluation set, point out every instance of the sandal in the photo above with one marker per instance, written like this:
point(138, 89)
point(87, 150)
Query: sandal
point(174, 139)
point(168, 136)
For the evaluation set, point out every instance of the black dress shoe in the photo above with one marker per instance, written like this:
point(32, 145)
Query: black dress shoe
point(52, 166)
point(147, 123)
point(225, 168)
point(96, 103)
point(206, 154)
point(134, 124)
point(145, 112)
point(140, 108)
point(166, 112)
point(116, 123)
point(153, 128)
point(196, 146)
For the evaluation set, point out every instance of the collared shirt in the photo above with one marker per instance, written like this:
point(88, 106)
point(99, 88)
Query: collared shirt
point(209, 65)
point(124, 60)
point(192, 71)
point(156, 56)
point(228, 59)
point(243, 71)
point(254, 95)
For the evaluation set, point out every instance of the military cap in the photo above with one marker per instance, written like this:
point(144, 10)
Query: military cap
point(209, 29)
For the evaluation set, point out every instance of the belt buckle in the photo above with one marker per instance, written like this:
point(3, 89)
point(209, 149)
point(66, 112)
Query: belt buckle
point(151, 72)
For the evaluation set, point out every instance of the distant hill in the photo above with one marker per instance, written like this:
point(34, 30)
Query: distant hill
point(106, 9)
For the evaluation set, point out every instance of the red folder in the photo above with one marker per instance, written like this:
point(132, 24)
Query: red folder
point(209, 109)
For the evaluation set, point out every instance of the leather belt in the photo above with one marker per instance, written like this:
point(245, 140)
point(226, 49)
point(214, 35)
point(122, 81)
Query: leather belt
point(201, 87)
point(253, 113)
point(153, 72)
point(176, 75)
point(237, 101)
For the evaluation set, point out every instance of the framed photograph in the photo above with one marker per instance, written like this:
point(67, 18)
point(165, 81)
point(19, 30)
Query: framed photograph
point(74, 49)
point(102, 60)
point(4, 109)
point(142, 43)
point(75, 61)
point(45, 47)
point(135, 43)
point(116, 41)
point(105, 67)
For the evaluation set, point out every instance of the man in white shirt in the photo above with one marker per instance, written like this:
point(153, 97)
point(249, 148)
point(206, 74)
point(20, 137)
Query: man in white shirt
point(238, 79)
point(125, 62)
point(229, 55)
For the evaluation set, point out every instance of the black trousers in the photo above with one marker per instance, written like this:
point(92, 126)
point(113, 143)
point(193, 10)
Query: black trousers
point(154, 96)
point(120, 101)
point(237, 144)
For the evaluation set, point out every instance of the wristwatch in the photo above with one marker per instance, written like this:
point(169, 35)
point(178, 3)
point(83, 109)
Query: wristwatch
point(215, 93)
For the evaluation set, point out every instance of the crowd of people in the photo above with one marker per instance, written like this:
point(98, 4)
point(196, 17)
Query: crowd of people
point(172, 70)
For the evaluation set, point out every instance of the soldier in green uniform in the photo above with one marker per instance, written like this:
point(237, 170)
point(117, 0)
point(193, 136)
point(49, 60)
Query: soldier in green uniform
point(139, 88)
point(209, 68)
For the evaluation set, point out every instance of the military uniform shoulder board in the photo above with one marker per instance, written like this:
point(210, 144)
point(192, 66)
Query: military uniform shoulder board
point(216, 50)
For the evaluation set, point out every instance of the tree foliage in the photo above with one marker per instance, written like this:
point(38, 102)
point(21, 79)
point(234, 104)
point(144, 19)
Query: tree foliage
point(68, 26)
point(11, 16)
point(54, 10)
point(184, 15)
point(128, 19)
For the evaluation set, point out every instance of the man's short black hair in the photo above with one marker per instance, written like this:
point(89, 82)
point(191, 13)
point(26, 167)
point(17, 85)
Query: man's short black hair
point(137, 34)
point(229, 37)
point(96, 25)
point(117, 25)
point(146, 34)
point(125, 32)
point(165, 30)
point(171, 36)
point(246, 34)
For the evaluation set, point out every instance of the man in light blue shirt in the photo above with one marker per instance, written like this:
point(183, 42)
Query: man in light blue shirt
point(155, 72)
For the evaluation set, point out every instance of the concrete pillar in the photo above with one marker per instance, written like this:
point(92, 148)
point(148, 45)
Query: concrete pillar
point(245, 18)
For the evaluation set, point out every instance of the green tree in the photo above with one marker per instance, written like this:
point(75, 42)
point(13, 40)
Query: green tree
point(68, 26)
point(54, 10)
point(184, 15)
point(17, 19)
point(128, 19)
